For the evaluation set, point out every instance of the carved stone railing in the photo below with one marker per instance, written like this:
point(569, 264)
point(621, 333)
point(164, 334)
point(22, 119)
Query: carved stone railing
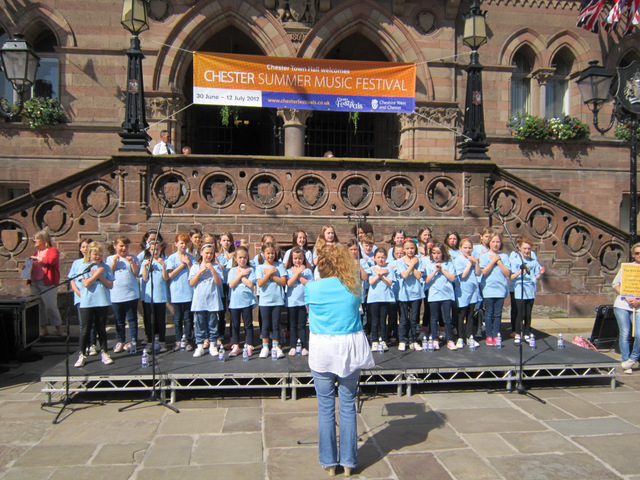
point(249, 196)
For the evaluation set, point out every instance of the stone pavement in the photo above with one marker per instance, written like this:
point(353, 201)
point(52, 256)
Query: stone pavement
point(585, 431)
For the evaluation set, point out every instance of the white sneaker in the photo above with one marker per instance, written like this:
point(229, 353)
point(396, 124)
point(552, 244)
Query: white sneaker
point(199, 351)
point(475, 344)
point(402, 346)
point(264, 353)
point(436, 345)
point(628, 364)
point(451, 345)
point(80, 362)
point(93, 350)
point(460, 343)
point(416, 346)
point(106, 359)
point(213, 350)
point(280, 353)
point(374, 347)
point(118, 348)
point(384, 346)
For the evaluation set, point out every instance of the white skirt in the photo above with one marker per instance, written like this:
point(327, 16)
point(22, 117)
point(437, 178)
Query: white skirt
point(339, 354)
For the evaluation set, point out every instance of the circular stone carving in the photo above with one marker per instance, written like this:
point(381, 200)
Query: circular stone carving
point(98, 199)
point(505, 201)
point(399, 193)
point(356, 192)
point(611, 256)
point(442, 194)
point(265, 191)
point(541, 221)
point(13, 238)
point(311, 192)
point(171, 188)
point(427, 22)
point(54, 215)
point(219, 190)
point(577, 240)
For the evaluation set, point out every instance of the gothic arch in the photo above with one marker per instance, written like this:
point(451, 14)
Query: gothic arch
point(565, 39)
point(33, 17)
point(526, 36)
point(206, 19)
point(379, 26)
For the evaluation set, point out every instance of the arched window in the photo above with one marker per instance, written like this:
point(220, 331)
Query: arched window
point(521, 84)
point(557, 94)
point(47, 82)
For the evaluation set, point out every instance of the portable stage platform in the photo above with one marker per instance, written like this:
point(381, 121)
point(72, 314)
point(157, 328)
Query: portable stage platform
point(179, 371)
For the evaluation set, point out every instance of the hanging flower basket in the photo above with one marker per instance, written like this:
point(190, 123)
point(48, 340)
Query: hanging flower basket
point(40, 112)
point(525, 127)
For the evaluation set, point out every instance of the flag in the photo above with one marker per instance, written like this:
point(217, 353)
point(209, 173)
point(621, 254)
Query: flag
point(589, 13)
point(611, 21)
point(634, 16)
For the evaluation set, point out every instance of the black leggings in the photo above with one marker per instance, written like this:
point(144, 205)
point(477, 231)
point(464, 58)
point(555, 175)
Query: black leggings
point(159, 325)
point(97, 317)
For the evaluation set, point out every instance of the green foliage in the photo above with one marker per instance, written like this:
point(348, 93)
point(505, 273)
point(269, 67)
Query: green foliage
point(228, 114)
point(353, 118)
point(40, 111)
point(529, 127)
point(623, 131)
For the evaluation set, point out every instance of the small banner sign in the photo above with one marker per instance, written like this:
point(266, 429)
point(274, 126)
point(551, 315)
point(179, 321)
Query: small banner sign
point(630, 284)
point(306, 84)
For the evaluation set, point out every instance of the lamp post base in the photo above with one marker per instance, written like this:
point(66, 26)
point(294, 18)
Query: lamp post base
point(472, 150)
point(135, 142)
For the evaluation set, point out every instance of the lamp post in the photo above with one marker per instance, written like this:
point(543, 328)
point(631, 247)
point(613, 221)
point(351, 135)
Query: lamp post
point(20, 65)
point(134, 136)
point(475, 145)
point(596, 86)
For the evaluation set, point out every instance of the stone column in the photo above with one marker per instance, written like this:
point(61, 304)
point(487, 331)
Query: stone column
point(542, 76)
point(294, 127)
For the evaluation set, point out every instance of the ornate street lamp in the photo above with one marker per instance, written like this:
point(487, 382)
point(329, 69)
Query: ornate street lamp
point(475, 35)
point(20, 65)
point(134, 134)
point(596, 86)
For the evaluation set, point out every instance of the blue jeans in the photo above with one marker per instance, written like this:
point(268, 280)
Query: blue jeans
point(182, 321)
point(623, 317)
point(325, 384)
point(492, 316)
point(441, 310)
point(126, 312)
point(206, 327)
point(409, 315)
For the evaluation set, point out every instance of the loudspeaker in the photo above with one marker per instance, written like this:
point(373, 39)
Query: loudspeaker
point(19, 323)
point(605, 328)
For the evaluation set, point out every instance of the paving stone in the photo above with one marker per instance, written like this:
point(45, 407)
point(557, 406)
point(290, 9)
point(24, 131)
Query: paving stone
point(606, 395)
point(416, 438)
point(244, 471)
point(489, 420)
point(240, 402)
point(243, 420)
point(618, 451)
point(628, 411)
point(29, 473)
point(540, 411)
point(12, 411)
point(93, 473)
point(191, 422)
point(539, 442)
point(418, 465)
point(26, 432)
point(84, 412)
point(56, 455)
point(398, 414)
point(442, 401)
point(579, 407)
point(170, 450)
point(465, 465)
point(592, 426)
point(97, 432)
point(296, 426)
point(570, 466)
point(120, 454)
point(8, 453)
point(371, 463)
point(488, 444)
point(229, 448)
point(287, 463)
point(302, 405)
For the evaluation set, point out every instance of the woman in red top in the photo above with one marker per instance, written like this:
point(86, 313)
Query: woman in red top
point(45, 273)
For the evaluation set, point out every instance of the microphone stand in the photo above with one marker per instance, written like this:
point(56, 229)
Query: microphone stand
point(520, 388)
point(153, 396)
point(67, 399)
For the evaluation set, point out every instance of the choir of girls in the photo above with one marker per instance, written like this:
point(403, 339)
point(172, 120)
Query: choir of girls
point(207, 275)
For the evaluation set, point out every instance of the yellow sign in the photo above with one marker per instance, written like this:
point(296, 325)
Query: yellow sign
point(630, 285)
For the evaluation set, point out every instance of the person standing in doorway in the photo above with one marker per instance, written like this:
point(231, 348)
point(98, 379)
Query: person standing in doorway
point(164, 147)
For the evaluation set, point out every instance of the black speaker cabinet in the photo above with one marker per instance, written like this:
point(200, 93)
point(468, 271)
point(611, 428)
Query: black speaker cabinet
point(19, 322)
point(605, 328)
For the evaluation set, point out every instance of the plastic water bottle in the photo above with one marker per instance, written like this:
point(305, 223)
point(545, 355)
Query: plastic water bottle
point(498, 341)
point(132, 350)
point(221, 354)
point(425, 344)
point(183, 343)
point(532, 341)
point(430, 344)
point(145, 359)
point(245, 353)
point(560, 341)
point(274, 354)
point(298, 348)
point(380, 347)
point(156, 343)
point(471, 343)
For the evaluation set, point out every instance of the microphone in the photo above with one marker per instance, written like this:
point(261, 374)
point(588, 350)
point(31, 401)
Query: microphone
point(91, 265)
